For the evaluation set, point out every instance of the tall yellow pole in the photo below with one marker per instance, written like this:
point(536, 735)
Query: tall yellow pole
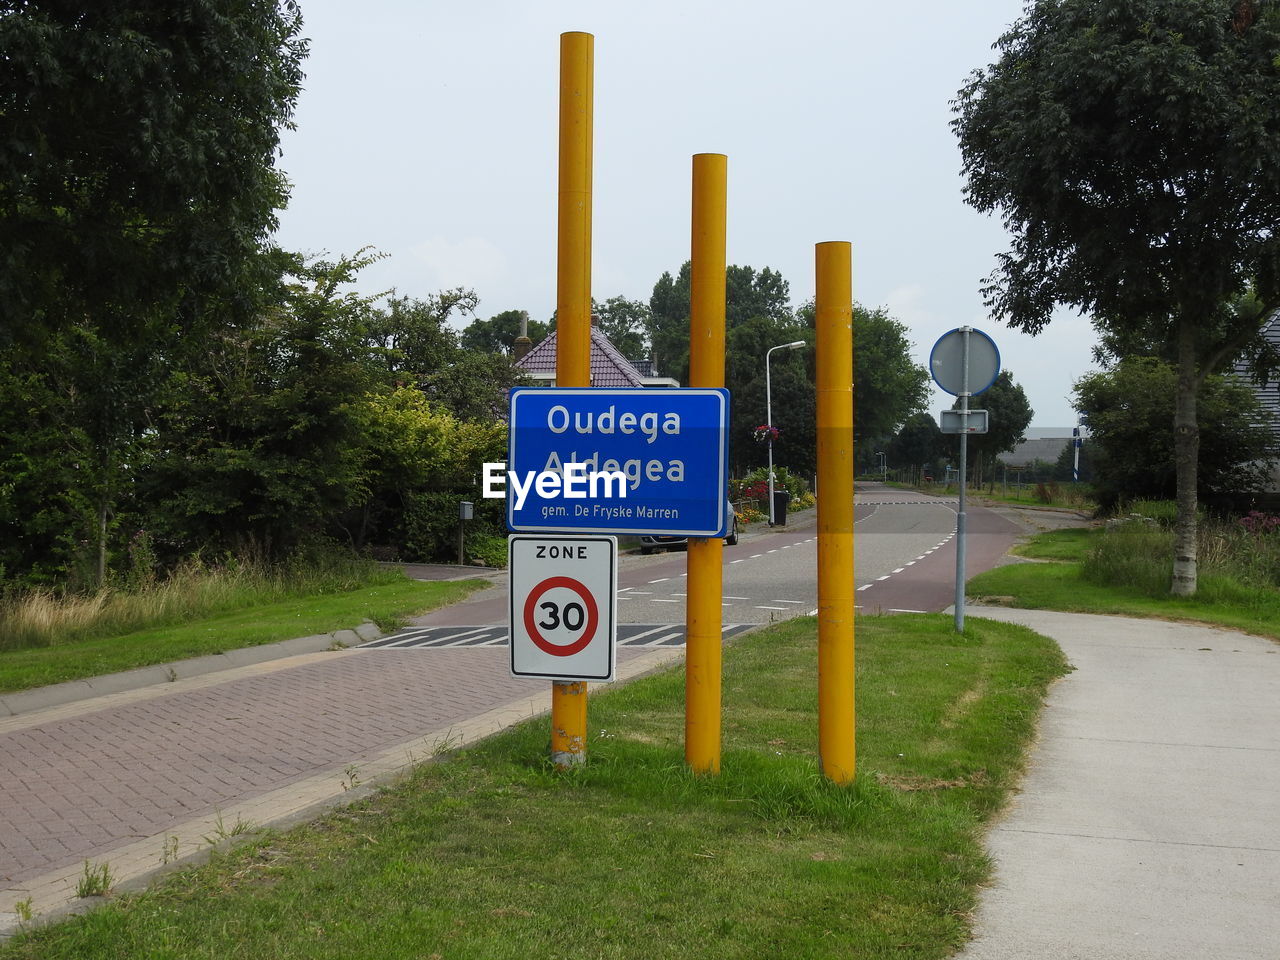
point(573, 314)
point(705, 556)
point(833, 311)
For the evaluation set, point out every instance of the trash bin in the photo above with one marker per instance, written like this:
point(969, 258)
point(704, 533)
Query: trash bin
point(780, 500)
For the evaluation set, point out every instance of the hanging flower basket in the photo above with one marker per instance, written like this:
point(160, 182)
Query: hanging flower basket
point(764, 433)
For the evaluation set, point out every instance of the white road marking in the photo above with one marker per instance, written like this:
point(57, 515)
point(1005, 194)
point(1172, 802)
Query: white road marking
point(754, 555)
point(885, 577)
point(788, 601)
point(646, 633)
point(736, 561)
point(896, 610)
point(660, 600)
point(660, 580)
point(759, 607)
point(865, 586)
point(727, 597)
point(899, 570)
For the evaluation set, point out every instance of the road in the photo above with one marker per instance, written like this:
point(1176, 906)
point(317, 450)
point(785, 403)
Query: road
point(904, 561)
point(130, 777)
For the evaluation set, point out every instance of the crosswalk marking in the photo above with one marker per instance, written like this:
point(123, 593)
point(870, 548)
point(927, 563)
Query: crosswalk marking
point(440, 638)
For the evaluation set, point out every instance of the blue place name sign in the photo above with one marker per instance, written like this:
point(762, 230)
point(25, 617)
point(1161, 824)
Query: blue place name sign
point(671, 445)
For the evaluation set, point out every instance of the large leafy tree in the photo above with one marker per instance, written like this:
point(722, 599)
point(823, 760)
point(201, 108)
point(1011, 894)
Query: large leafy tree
point(749, 294)
point(137, 149)
point(137, 185)
point(1128, 410)
point(498, 334)
point(625, 323)
point(1128, 146)
point(918, 443)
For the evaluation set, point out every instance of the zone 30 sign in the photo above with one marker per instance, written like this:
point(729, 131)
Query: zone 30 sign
point(562, 606)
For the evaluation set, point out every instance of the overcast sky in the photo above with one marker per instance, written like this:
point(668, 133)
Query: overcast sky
point(428, 130)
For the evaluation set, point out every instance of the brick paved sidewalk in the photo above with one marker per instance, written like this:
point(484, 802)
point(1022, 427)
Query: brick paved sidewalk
point(118, 778)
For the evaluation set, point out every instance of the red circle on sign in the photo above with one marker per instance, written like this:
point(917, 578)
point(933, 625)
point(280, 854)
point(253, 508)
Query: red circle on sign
point(589, 631)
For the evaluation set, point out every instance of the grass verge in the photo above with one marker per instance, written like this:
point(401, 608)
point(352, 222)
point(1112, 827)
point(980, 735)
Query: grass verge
point(1070, 543)
point(1062, 586)
point(491, 854)
point(384, 604)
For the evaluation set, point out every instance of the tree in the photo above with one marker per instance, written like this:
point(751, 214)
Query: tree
point(749, 294)
point(1128, 410)
point(137, 154)
point(1127, 145)
point(262, 442)
point(888, 386)
point(625, 323)
point(1008, 415)
point(918, 443)
point(498, 333)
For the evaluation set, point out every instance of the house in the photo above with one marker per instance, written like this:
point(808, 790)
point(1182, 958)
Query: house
point(1268, 395)
point(609, 368)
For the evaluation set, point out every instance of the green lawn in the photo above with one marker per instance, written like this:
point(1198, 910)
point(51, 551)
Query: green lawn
point(385, 604)
point(1071, 543)
point(1060, 586)
point(490, 854)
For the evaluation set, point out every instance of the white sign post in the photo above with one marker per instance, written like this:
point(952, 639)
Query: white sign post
point(563, 606)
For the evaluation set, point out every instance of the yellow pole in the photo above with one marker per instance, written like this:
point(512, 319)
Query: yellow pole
point(833, 311)
point(573, 315)
point(705, 556)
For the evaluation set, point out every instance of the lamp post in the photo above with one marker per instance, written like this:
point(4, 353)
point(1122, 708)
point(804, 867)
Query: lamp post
point(884, 466)
point(768, 410)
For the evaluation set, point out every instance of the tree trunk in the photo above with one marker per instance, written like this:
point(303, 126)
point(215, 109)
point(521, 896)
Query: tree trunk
point(1186, 458)
point(102, 540)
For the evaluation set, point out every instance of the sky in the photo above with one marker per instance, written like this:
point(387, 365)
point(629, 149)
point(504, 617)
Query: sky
point(428, 131)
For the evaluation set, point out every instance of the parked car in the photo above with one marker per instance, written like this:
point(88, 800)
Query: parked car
point(650, 542)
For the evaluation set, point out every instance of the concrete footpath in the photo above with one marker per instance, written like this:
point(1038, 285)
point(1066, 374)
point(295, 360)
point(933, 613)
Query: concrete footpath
point(1148, 826)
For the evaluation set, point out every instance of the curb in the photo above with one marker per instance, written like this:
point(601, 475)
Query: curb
point(58, 694)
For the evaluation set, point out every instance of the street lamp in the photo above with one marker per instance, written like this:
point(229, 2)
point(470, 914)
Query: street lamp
point(884, 466)
point(768, 410)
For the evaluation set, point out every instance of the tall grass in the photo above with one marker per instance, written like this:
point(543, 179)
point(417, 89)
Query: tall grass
point(42, 618)
point(1231, 554)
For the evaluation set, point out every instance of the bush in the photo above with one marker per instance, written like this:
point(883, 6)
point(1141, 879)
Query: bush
point(487, 550)
point(431, 525)
point(1139, 555)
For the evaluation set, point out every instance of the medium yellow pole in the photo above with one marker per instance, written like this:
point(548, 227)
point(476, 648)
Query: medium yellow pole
point(833, 312)
point(705, 556)
point(573, 315)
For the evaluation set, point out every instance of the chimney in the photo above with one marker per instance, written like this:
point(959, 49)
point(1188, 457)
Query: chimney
point(523, 344)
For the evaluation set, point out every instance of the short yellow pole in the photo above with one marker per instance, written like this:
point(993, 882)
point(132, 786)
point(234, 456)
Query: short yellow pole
point(833, 312)
point(573, 315)
point(706, 556)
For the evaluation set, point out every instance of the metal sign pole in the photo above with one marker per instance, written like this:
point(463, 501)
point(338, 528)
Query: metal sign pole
point(964, 464)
